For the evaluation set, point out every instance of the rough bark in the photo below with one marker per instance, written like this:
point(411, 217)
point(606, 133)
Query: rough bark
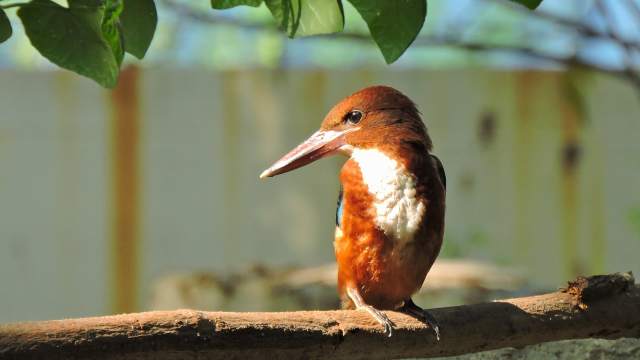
point(600, 307)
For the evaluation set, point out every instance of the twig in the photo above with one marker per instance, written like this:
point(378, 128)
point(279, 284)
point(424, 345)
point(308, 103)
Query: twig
point(580, 27)
point(610, 30)
point(209, 17)
point(456, 42)
point(601, 307)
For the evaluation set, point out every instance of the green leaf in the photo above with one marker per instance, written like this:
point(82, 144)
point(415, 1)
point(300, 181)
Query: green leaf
point(393, 24)
point(91, 10)
point(226, 4)
point(5, 27)
point(307, 17)
point(71, 38)
point(531, 4)
point(282, 12)
point(111, 28)
point(318, 17)
point(138, 23)
point(103, 16)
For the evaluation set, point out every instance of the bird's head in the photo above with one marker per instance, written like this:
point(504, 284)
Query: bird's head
point(374, 117)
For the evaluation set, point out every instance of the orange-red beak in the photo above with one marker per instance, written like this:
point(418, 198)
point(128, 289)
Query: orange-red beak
point(322, 143)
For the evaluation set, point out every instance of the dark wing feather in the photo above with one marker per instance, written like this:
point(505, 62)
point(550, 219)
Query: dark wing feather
point(339, 210)
point(440, 168)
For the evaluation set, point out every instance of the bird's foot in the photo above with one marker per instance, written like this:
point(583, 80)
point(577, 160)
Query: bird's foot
point(410, 308)
point(381, 317)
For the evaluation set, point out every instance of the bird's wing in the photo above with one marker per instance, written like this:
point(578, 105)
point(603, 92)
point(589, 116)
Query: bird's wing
point(440, 168)
point(339, 210)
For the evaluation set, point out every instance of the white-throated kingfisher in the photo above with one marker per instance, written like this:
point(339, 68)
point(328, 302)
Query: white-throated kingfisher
point(391, 207)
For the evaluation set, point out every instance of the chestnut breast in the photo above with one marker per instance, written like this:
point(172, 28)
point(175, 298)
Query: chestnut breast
point(384, 246)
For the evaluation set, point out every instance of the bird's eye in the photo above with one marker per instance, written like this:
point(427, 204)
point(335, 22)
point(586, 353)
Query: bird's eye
point(353, 117)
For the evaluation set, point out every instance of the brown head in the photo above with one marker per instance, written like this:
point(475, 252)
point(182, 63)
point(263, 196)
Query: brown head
point(377, 116)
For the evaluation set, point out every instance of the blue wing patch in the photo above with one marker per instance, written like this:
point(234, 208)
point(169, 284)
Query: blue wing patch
point(339, 210)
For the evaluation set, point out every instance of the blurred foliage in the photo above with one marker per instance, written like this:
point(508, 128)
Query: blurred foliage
point(90, 37)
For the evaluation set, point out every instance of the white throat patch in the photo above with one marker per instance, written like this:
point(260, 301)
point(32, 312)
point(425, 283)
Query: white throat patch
point(398, 211)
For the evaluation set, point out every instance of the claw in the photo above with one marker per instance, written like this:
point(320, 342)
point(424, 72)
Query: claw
point(412, 309)
point(384, 320)
point(381, 317)
point(388, 330)
point(433, 323)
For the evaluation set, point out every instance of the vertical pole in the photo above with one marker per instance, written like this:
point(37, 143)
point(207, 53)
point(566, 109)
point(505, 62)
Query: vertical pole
point(124, 212)
point(572, 117)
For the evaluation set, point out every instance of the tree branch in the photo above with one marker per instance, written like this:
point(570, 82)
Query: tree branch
point(602, 306)
point(627, 73)
point(610, 30)
point(583, 29)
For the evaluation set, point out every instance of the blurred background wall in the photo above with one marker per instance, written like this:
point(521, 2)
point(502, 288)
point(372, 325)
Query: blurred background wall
point(103, 193)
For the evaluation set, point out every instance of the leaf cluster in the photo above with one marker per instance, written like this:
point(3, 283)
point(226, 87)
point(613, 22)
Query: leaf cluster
point(91, 37)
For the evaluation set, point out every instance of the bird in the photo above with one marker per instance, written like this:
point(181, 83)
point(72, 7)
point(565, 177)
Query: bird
point(391, 205)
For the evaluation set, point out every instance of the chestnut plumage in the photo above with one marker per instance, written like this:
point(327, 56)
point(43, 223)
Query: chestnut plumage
point(391, 209)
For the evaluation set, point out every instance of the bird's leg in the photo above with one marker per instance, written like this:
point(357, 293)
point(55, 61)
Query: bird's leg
point(409, 307)
point(354, 295)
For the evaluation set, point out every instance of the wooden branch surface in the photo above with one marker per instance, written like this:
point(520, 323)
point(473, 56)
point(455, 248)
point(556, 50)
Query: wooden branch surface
point(604, 307)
